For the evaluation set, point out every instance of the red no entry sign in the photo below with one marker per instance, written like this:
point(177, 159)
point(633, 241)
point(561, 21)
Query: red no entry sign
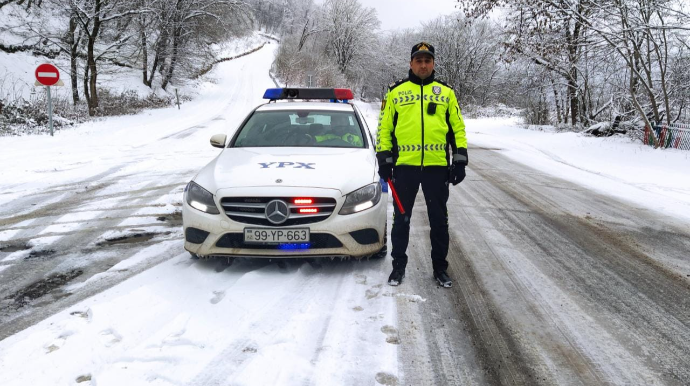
point(47, 74)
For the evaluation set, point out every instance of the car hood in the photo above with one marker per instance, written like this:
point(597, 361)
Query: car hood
point(343, 169)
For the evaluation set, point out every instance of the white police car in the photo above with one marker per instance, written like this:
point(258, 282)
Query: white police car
point(297, 179)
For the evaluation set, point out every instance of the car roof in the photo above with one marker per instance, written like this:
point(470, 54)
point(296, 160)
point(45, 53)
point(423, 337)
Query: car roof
point(325, 106)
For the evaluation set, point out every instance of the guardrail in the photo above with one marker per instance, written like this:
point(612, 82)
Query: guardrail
point(674, 136)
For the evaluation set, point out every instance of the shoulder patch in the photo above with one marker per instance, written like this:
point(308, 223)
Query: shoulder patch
point(397, 83)
point(443, 83)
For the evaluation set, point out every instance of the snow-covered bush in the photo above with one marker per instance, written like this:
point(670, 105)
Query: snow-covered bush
point(498, 110)
point(128, 102)
point(21, 117)
point(607, 129)
point(536, 112)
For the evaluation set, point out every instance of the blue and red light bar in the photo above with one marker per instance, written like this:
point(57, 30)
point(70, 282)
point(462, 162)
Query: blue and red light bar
point(333, 94)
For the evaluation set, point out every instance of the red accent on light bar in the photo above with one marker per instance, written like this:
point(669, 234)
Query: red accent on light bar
point(343, 93)
point(303, 201)
point(308, 210)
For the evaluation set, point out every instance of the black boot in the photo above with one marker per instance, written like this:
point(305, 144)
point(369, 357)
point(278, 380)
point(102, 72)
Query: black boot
point(443, 279)
point(396, 277)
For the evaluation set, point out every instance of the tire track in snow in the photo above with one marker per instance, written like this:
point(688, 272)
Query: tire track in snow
point(294, 313)
point(220, 370)
point(66, 197)
point(565, 286)
point(71, 245)
point(466, 341)
point(245, 87)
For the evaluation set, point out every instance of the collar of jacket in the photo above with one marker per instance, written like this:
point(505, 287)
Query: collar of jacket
point(417, 80)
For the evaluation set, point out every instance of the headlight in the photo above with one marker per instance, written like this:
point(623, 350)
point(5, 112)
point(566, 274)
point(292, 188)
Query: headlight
point(200, 198)
point(362, 199)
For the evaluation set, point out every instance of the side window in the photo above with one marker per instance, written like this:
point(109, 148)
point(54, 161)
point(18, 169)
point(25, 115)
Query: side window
point(366, 126)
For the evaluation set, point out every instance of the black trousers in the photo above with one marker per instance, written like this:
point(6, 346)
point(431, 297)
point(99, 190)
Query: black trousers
point(434, 182)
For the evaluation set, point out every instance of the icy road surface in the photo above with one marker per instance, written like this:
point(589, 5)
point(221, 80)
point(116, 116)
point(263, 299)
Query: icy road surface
point(93, 206)
point(554, 284)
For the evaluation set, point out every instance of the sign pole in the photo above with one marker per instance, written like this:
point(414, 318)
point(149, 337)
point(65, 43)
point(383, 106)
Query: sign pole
point(50, 112)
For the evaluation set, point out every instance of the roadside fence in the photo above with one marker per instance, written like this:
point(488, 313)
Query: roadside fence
point(675, 136)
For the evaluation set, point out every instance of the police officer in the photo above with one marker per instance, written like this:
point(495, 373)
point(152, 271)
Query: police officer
point(421, 140)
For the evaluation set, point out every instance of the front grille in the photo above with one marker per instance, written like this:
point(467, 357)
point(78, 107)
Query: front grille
point(252, 210)
point(318, 240)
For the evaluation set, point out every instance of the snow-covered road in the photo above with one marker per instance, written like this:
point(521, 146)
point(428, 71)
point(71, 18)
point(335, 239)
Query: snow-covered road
point(201, 323)
point(82, 202)
point(555, 283)
point(98, 208)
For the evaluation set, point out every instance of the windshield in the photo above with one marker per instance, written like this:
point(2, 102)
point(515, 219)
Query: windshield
point(302, 128)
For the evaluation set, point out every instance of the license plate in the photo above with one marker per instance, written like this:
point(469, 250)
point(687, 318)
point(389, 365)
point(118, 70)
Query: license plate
point(276, 236)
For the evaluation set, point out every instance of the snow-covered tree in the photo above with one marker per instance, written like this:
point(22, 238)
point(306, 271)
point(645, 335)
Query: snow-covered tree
point(468, 56)
point(350, 31)
point(585, 45)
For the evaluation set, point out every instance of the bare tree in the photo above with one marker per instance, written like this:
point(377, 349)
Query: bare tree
point(93, 16)
point(599, 38)
point(646, 34)
point(386, 64)
point(548, 32)
point(350, 30)
point(67, 40)
point(270, 14)
point(26, 3)
point(467, 57)
point(73, 39)
point(193, 21)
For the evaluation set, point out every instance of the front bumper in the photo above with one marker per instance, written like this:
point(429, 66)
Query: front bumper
point(356, 235)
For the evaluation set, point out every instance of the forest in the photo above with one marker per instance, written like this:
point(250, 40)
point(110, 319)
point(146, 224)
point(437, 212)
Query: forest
point(570, 63)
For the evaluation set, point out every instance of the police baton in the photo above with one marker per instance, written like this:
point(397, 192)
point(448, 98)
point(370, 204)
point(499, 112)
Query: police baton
point(395, 197)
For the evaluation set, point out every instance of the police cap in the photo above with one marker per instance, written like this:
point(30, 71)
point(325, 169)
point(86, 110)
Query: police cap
point(423, 48)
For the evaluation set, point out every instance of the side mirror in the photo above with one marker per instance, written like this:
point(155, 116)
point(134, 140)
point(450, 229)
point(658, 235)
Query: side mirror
point(218, 140)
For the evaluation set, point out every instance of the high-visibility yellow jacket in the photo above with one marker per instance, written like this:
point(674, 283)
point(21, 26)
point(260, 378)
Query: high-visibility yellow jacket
point(349, 138)
point(415, 136)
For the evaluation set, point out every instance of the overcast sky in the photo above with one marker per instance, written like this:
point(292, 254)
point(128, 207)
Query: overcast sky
point(399, 14)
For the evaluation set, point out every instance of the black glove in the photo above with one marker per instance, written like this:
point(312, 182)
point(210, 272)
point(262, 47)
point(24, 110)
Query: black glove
point(457, 173)
point(457, 169)
point(385, 159)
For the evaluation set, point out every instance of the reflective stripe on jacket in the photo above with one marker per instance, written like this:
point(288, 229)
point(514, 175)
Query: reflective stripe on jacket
point(420, 138)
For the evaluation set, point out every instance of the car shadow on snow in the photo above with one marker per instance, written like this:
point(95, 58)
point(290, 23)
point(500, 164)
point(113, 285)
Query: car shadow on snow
point(319, 265)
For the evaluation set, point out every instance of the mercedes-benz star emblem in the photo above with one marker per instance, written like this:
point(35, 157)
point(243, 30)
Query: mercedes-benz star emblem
point(277, 211)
